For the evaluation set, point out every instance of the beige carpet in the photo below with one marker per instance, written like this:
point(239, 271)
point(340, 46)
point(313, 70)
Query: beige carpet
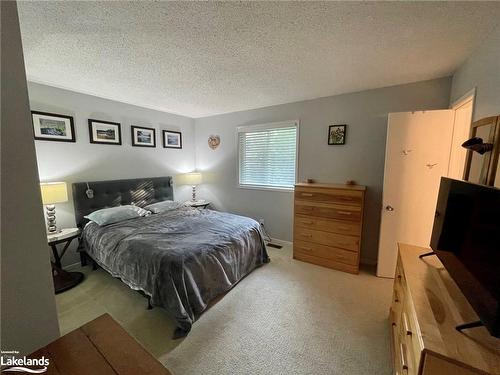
point(287, 317)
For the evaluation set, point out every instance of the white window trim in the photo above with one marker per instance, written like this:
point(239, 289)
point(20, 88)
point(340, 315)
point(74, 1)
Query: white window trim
point(269, 125)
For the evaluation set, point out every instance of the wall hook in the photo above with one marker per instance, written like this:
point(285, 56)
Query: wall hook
point(406, 152)
point(430, 166)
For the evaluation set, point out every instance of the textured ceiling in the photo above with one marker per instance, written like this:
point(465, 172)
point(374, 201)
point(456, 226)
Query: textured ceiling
point(200, 59)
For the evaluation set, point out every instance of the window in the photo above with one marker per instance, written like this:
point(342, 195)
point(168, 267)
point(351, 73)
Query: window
point(268, 155)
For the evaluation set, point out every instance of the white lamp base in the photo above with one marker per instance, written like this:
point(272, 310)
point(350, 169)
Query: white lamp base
point(50, 212)
point(193, 199)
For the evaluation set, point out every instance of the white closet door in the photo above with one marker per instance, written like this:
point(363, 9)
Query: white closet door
point(417, 155)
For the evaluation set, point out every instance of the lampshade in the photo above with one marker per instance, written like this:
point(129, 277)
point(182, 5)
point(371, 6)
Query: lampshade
point(54, 192)
point(193, 178)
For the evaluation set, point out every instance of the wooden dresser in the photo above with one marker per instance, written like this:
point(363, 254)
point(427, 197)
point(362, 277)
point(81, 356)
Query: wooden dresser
point(426, 307)
point(327, 225)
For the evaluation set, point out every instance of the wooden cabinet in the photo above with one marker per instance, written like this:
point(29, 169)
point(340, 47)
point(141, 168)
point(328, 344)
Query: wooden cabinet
point(426, 307)
point(327, 225)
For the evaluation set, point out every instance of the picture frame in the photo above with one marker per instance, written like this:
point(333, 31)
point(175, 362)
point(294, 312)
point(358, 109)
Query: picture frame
point(337, 134)
point(53, 127)
point(143, 137)
point(172, 139)
point(105, 132)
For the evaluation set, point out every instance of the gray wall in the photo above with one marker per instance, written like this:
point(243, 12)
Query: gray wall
point(83, 161)
point(481, 70)
point(28, 311)
point(361, 159)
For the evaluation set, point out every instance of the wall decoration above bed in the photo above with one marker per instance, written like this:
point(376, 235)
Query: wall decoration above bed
point(172, 139)
point(336, 134)
point(105, 132)
point(53, 127)
point(213, 141)
point(143, 137)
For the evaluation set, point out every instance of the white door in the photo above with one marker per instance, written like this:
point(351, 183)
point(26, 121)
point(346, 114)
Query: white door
point(417, 155)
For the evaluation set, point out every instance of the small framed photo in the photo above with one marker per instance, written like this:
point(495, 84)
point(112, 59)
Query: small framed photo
point(53, 127)
point(143, 137)
point(105, 132)
point(172, 139)
point(336, 134)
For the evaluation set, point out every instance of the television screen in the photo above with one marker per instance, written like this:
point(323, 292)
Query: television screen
point(466, 238)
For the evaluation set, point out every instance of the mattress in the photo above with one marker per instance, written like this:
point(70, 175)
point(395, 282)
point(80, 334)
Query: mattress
point(182, 259)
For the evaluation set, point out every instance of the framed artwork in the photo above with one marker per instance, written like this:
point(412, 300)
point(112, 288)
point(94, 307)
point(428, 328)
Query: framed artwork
point(105, 132)
point(53, 127)
point(336, 134)
point(143, 137)
point(213, 141)
point(172, 139)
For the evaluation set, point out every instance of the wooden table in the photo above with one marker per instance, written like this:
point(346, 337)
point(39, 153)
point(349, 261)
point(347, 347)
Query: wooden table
point(99, 347)
point(63, 280)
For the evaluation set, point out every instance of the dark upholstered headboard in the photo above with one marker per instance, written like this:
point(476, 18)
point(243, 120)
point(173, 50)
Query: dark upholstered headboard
point(138, 191)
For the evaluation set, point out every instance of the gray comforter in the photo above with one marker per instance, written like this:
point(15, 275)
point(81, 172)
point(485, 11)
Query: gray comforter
point(182, 259)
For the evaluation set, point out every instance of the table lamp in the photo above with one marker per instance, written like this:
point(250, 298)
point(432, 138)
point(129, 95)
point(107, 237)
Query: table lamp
point(192, 179)
point(53, 192)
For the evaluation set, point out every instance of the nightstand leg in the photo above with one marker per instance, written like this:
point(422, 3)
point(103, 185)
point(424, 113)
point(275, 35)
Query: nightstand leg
point(57, 258)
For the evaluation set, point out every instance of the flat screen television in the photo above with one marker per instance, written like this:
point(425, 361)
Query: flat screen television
point(466, 238)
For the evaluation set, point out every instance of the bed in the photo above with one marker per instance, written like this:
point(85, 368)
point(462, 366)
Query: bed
point(181, 259)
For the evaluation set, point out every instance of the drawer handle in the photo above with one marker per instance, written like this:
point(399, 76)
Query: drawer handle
point(306, 248)
point(307, 208)
point(406, 325)
point(344, 212)
point(341, 257)
point(306, 235)
point(307, 222)
point(344, 228)
point(307, 194)
point(402, 352)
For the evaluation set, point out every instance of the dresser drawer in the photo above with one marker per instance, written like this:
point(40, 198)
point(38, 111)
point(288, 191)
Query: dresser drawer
point(350, 197)
point(325, 238)
point(328, 252)
point(331, 211)
point(325, 262)
point(335, 226)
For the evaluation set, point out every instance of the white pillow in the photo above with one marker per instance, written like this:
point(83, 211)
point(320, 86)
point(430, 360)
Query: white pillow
point(112, 215)
point(163, 206)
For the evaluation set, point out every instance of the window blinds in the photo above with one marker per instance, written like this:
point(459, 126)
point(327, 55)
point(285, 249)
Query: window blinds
point(267, 155)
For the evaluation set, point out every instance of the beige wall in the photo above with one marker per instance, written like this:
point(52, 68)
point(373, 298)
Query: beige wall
point(28, 311)
point(361, 159)
point(482, 71)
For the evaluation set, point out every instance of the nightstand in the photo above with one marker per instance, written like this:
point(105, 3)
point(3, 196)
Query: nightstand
point(63, 280)
point(201, 203)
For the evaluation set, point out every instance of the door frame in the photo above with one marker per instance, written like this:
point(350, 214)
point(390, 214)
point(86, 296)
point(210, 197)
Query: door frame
point(468, 97)
point(465, 98)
